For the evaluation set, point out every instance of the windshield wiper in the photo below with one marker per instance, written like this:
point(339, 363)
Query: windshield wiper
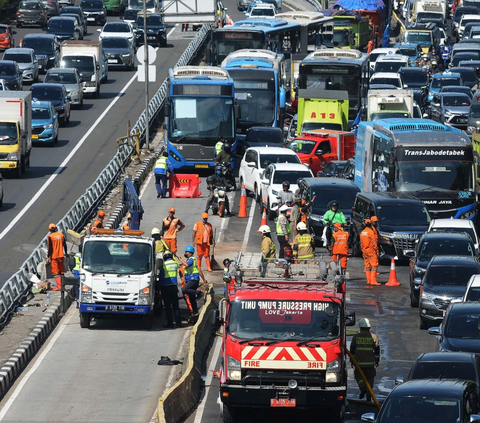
point(267, 341)
point(184, 136)
point(307, 341)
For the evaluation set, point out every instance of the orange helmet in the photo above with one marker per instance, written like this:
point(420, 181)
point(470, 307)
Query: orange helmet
point(367, 221)
point(204, 215)
point(52, 226)
point(337, 225)
point(101, 213)
point(374, 219)
point(171, 210)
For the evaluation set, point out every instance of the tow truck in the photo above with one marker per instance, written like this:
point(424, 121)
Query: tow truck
point(284, 337)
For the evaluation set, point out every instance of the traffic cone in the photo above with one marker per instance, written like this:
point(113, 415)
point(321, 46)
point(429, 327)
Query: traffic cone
point(392, 280)
point(264, 217)
point(243, 203)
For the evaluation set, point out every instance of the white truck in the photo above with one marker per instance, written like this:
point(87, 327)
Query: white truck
point(425, 10)
point(384, 104)
point(195, 12)
point(86, 57)
point(15, 131)
point(117, 276)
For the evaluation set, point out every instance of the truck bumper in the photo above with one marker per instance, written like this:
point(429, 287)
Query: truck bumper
point(108, 309)
point(261, 396)
point(9, 165)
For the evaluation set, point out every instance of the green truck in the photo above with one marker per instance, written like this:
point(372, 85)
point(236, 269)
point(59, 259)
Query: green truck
point(350, 31)
point(115, 6)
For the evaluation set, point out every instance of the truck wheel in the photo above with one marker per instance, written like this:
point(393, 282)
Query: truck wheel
point(97, 93)
point(229, 414)
point(147, 321)
point(28, 159)
point(85, 320)
point(338, 415)
point(257, 195)
point(17, 172)
point(23, 163)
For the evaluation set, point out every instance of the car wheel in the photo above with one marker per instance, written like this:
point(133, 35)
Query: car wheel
point(413, 298)
point(81, 103)
point(63, 122)
point(55, 141)
point(1, 201)
point(147, 321)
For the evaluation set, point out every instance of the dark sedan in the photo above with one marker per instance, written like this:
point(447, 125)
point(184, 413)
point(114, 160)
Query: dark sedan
point(156, 31)
point(414, 78)
point(11, 74)
point(46, 49)
point(119, 52)
point(76, 10)
point(64, 28)
point(31, 13)
point(57, 95)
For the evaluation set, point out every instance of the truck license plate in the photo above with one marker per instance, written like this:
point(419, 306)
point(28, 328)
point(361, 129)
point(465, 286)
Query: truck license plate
point(114, 308)
point(112, 60)
point(282, 402)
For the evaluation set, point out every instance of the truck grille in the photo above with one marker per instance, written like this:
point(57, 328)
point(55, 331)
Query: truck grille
point(3, 156)
point(441, 303)
point(281, 378)
point(115, 298)
point(404, 243)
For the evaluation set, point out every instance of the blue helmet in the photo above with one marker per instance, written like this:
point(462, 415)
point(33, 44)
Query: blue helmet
point(189, 249)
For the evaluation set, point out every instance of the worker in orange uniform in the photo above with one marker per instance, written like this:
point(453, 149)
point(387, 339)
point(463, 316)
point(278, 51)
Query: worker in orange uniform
point(369, 251)
point(57, 249)
point(126, 227)
point(99, 222)
point(340, 246)
point(203, 238)
point(374, 220)
point(171, 225)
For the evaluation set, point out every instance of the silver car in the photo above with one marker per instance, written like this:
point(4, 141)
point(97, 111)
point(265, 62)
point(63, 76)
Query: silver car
point(70, 78)
point(26, 61)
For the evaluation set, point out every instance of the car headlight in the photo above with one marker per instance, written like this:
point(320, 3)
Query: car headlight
point(126, 55)
point(419, 270)
point(49, 126)
point(448, 113)
point(234, 371)
point(144, 296)
point(85, 294)
point(467, 215)
point(333, 371)
point(427, 296)
point(76, 92)
point(386, 236)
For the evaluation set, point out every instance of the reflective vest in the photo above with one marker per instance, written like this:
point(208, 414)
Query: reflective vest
point(159, 247)
point(78, 263)
point(161, 165)
point(192, 272)
point(171, 232)
point(366, 349)
point(226, 275)
point(201, 228)
point(56, 240)
point(218, 147)
point(284, 220)
point(367, 241)
point(304, 246)
point(170, 269)
point(341, 243)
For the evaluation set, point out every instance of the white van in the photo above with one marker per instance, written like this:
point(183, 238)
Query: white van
point(376, 53)
point(391, 63)
point(455, 225)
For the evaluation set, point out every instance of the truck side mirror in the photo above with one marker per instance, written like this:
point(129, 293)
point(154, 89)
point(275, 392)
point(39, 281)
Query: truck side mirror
point(215, 317)
point(222, 308)
point(238, 111)
point(409, 253)
point(349, 318)
point(417, 282)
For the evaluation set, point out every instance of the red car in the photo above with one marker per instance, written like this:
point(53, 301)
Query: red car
point(6, 37)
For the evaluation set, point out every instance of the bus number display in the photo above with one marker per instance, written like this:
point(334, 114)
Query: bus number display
point(201, 90)
point(238, 35)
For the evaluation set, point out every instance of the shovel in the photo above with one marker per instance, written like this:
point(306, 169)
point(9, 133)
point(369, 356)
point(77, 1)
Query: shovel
point(213, 263)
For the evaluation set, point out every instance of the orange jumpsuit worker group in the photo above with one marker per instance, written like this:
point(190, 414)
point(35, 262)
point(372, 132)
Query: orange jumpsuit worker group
point(202, 237)
point(370, 254)
point(99, 222)
point(57, 249)
point(171, 226)
point(374, 220)
point(340, 246)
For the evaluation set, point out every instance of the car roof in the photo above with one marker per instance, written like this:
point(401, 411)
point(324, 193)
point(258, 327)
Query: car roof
point(389, 197)
point(412, 70)
point(273, 150)
point(8, 62)
point(469, 16)
point(39, 35)
point(442, 357)
point(459, 236)
point(385, 75)
point(42, 104)
point(18, 50)
point(474, 281)
point(330, 182)
point(62, 70)
point(468, 307)
point(46, 85)
point(453, 261)
point(290, 166)
point(450, 94)
point(393, 58)
point(384, 49)
point(447, 75)
point(452, 223)
point(62, 17)
point(422, 387)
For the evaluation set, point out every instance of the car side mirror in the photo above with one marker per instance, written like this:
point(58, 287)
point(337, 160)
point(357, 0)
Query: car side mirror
point(417, 282)
point(434, 331)
point(321, 174)
point(349, 318)
point(474, 418)
point(69, 98)
point(319, 153)
point(215, 317)
point(399, 380)
point(222, 309)
point(368, 417)
point(250, 164)
point(409, 253)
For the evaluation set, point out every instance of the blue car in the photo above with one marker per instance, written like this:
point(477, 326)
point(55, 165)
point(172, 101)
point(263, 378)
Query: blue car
point(412, 50)
point(440, 80)
point(44, 123)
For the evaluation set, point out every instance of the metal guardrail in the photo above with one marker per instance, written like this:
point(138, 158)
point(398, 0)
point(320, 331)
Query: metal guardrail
point(18, 285)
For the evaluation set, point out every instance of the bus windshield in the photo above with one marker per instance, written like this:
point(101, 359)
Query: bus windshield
point(256, 100)
point(206, 118)
point(284, 320)
point(225, 43)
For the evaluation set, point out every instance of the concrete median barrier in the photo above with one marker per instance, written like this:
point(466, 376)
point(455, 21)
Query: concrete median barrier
point(180, 399)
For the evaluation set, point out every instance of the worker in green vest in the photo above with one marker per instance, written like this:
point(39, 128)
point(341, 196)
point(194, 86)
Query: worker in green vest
point(162, 167)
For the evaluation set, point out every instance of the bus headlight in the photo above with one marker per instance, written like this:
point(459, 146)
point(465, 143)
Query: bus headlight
point(86, 296)
point(333, 371)
point(234, 371)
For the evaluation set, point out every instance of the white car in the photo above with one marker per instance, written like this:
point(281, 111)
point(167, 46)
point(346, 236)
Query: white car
point(118, 29)
point(378, 52)
point(455, 225)
point(272, 179)
point(391, 63)
point(387, 78)
point(472, 293)
point(256, 159)
point(3, 85)
point(262, 10)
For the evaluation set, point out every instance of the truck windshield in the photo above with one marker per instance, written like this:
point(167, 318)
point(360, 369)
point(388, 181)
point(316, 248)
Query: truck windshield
point(201, 118)
point(8, 133)
point(284, 320)
point(403, 215)
point(302, 146)
point(256, 100)
point(119, 257)
point(418, 37)
point(84, 63)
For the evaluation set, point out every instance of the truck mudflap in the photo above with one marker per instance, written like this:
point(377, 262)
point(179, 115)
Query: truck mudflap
point(9, 164)
point(115, 309)
point(282, 396)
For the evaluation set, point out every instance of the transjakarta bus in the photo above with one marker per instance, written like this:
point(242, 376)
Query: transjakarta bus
point(200, 109)
point(337, 70)
point(276, 35)
point(420, 157)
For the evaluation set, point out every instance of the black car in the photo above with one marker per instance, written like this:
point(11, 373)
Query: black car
point(11, 74)
point(460, 330)
point(261, 136)
point(469, 75)
point(333, 169)
point(402, 219)
point(325, 190)
point(435, 244)
point(445, 280)
point(46, 48)
point(119, 52)
point(430, 400)
point(95, 11)
point(349, 170)
point(31, 12)
point(57, 95)
point(414, 78)
point(76, 10)
point(156, 30)
point(64, 28)
point(451, 365)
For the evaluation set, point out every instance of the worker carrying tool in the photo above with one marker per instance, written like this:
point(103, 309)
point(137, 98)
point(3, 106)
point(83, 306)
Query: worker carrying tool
point(56, 252)
point(303, 244)
point(171, 226)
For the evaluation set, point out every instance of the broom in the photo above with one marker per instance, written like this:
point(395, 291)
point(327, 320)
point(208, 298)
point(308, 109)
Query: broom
point(213, 263)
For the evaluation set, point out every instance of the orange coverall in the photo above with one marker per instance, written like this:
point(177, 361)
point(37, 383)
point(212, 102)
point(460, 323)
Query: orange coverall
point(369, 250)
point(340, 248)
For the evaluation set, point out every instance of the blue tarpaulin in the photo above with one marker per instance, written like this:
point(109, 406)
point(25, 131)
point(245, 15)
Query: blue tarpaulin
point(360, 4)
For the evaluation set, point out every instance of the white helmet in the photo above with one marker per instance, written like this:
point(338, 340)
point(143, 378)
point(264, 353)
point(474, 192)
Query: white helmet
point(301, 226)
point(284, 208)
point(364, 323)
point(155, 231)
point(264, 229)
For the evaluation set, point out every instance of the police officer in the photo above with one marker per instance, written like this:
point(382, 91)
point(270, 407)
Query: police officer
point(365, 347)
point(446, 50)
point(226, 275)
point(283, 230)
point(219, 146)
point(267, 247)
point(162, 165)
point(169, 288)
point(303, 244)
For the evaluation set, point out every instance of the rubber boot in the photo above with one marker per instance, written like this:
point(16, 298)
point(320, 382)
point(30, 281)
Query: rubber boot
point(344, 271)
point(373, 278)
point(207, 260)
point(369, 277)
point(199, 262)
point(58, 281)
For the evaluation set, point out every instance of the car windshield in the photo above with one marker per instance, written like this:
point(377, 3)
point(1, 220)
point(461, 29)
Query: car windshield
point(475, 111)
point(61, 78)
point(116, 27)
point(47, 94)
point(388, 66)
point(284, 320)
point(445, 247)
point(302, 146)
point(40, 113)
point(409, 51)
point(409, 77)
point(324, 194)
point(473, 294)
point(30, 5)
point(457, 89)
point(66, 25)
point(17, 57)
point(290, 175)
point(3, 30)
point(456, 101)
point(463, 325)
point(9, 133)
point(151, 21)
point(266, 159)
point(406, 214)
point(257, 11)
point(334, 169)
point(427, 408)
point(7, 70)
point(469, 231)
point(115, 43)
point(78, 62)
point(450, 275)
point(443, 370)
point(385, 80)
point(38, 44)
point(441, 82)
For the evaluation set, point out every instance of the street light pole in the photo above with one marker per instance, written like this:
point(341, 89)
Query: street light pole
point(145, 46)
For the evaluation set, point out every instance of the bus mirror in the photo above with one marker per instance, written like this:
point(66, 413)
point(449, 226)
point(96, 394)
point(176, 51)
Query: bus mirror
point(166, 109)
point(215, 317)
point(238, 111)
point(391, 172)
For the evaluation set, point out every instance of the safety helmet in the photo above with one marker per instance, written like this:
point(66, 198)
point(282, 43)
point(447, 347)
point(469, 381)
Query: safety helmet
point(374, 219)
point(167, 255)
point(190, 249)
point(171, 210)
point(299, 181)
point(101, 213)
point(52, 226)
point(205, 215)
point(301, 226)
point(283, 208)
point(286, 184)
point(337, 225)
point(227, 147)
point(368, 221)
point(226, 261)
point(333, 203)
point(264, 229)
point(155, 231)
point(364, 323)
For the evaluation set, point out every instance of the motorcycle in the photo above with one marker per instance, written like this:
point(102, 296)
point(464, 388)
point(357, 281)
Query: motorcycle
point(218, 205)
point(227, 171)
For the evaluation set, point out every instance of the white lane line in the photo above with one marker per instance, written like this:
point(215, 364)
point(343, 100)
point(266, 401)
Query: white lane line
point(37, 364)
point(208, 380)
point(170, 33)
point(253, 207)
point(290, 7)
point(224, 220)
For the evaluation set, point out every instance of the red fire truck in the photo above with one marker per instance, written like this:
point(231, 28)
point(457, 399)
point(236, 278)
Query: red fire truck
point(284, 338)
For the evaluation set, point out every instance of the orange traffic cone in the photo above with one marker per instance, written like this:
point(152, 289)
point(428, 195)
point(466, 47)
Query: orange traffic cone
point(392, 280)
point(243, 203)
point(264, 217)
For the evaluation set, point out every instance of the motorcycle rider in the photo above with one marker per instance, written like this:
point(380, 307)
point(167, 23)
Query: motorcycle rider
point(285, 196)
point(332, 216)
point(225, 156)
point(214, 181)
point(446, 51)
